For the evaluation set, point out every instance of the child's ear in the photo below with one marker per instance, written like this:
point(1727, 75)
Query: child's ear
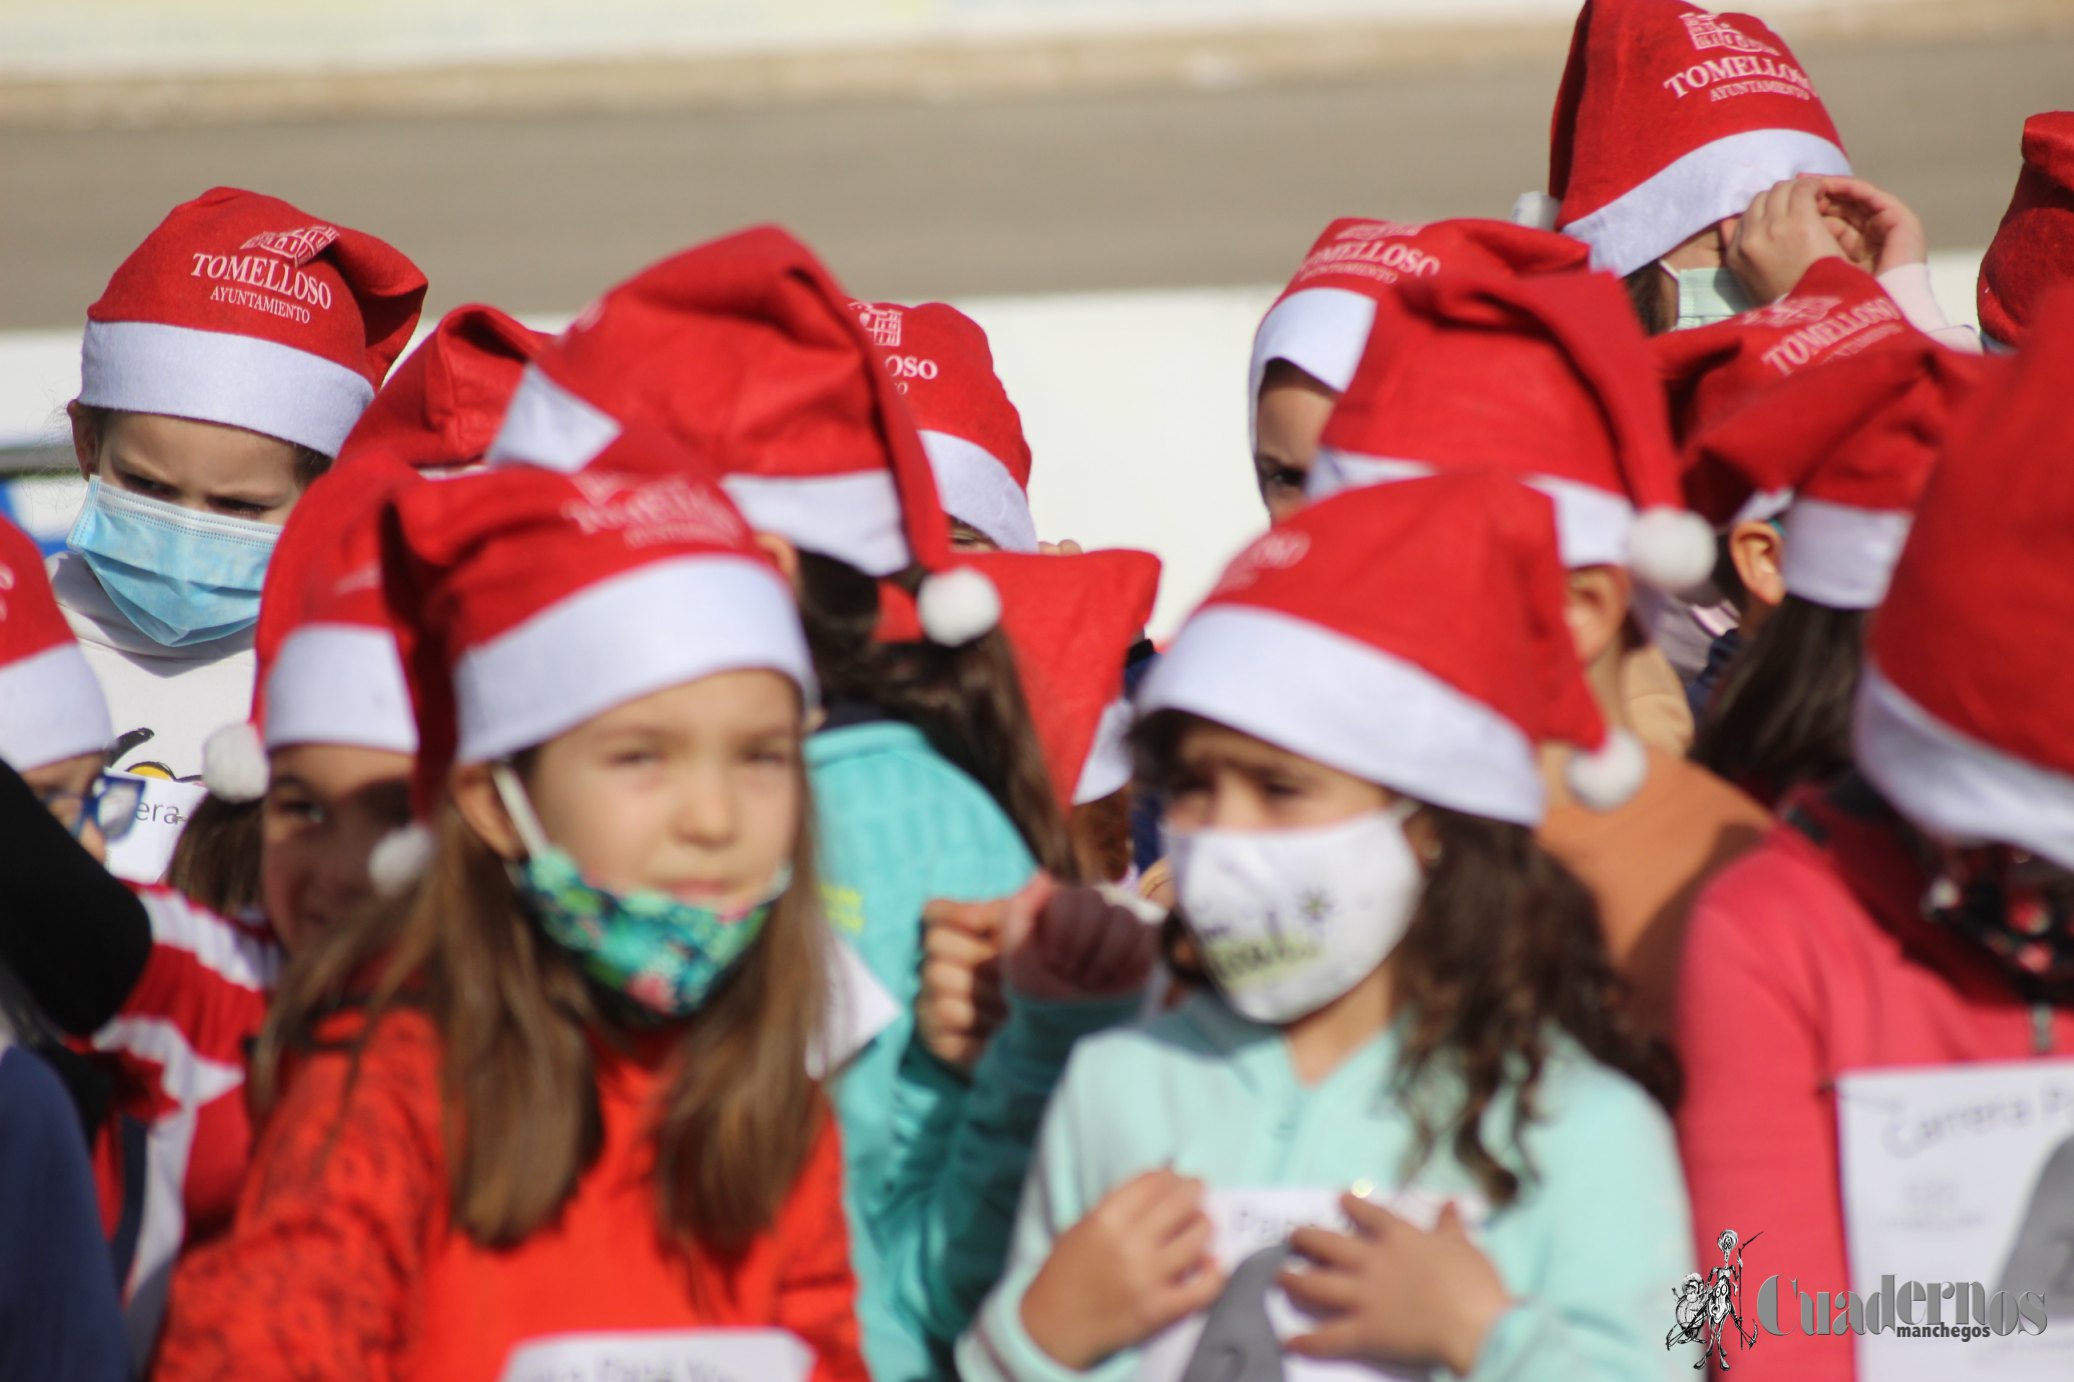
point(475, 797)
point(1759, 554)
point(86, 439)
point(782, 554)
point(1596, 610)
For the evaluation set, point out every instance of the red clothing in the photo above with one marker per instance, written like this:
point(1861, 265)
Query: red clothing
point(345, 1265)
point(1807, 959)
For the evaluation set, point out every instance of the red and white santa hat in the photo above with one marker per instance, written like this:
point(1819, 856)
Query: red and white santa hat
point(51, 706)
point(1836, 311)
point(1962, 717)
point(748, 351)
point(442, 406)
point(1322, 320)
point(1671, 118)
point(327, 669)
point(940, 360)
point(1845, 452)
point(1411, 635)
point(1548, 380)
point(242, 310)
point(531, 600)
point(2033, 248)
point(1071, 621)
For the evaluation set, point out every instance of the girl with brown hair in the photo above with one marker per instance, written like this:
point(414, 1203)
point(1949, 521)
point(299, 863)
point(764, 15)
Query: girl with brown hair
point(550, 1108)
point(1407, 1000)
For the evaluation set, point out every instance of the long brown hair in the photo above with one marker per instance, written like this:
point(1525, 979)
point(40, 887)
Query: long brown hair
point(216, 860)
point(967, 701)
point(516, 1018)
point(1504, 950)
point(1782, 714)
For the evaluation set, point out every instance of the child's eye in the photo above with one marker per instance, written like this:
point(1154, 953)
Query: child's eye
point(635, 758)
point(144, 486)
point(295, 810)
point(242, 508)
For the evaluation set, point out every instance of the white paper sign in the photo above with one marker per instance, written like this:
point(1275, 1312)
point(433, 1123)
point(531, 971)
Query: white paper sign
point(143, 855)
point(663, 1355)
point(1248, 1223)
point(1961, 1175)
point(859, 1008)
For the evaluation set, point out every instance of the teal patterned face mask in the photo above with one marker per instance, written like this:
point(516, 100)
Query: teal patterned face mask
point(665, 954)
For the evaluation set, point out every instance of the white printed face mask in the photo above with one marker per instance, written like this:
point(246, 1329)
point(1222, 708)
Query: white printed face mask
point(1289, 920)
point(1706, 296)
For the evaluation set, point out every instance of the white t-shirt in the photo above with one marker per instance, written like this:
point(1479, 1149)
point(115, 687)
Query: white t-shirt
point(164, 702)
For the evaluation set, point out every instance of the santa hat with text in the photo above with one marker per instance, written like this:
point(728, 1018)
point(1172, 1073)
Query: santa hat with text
point(2033, 248)
point(1671, 118)
point(1547, 380)
point(940, 360)
point(1962, 718)
point(1322, 320)
point(750, 354)
point(51, 707)
point(241, 310)
point(442, 406)
point(1413, 636)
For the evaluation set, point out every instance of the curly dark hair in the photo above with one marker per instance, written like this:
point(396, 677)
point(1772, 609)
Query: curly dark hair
point(1504, 951)
point(1782, 714)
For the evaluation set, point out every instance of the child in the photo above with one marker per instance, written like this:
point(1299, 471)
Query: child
point(1917, 915)
point(1306, 347)
point(1583, 420)
point(1406, 992)
point(929, 781)
point(221, 369)
point(550, 1109)
point(2033, 248)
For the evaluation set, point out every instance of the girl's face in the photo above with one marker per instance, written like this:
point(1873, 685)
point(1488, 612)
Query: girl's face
point(327, 807)
point(1225, 780)
point(191, 465)
point(62, 788)
point(1288, 418)
point(696, 791)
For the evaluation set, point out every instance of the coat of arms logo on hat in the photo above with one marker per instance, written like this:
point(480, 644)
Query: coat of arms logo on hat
point(883, 323)
point(298, 247)
point(1712, 31)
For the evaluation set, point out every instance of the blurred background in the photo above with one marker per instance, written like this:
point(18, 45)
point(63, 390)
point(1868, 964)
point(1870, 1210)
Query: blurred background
point(1114, 188)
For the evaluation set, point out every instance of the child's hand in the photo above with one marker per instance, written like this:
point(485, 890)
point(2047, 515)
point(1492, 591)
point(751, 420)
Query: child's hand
point(1074, 943)
point(1395, 1292)
point(1875, 228)
point(960, 1006)
point(1780, 238)
point(1135, 1264)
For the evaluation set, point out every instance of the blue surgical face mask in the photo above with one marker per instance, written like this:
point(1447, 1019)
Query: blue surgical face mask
point(1706, 296)
point(180, 576)
point(664, 954)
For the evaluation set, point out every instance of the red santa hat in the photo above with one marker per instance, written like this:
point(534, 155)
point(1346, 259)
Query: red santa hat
point(530, 600)
point(751, 355)
point(1071, 621)
point(1962, 718)
point(51, 706)
point(327, 667)
point(940, 360)
point(1846, 451)
point(1836, 311)
point(242, 310)
point(443, 405)
point(2033, 248)
point(1310, 642)
point(1546, 379)
point(1671, 118)
point(1322, 320)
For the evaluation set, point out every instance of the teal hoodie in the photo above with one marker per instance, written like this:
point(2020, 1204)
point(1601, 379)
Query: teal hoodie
point(1593, 1250)
point(933, 1164)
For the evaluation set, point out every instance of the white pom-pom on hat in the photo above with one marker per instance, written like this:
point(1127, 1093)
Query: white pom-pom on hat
point(1671, 549)
point(1611, 774)
point(957, 606)
point(400, 860)
point(234, 766)
point(1536, 210)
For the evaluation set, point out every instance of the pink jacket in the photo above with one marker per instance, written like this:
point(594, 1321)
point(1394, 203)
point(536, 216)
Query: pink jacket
point(1808, 958)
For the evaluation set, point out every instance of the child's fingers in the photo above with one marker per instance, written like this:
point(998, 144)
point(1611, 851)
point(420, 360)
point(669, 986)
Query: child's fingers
point(1128, 1203)
point(1340, 1339)
point(974, 919)
point(1172, 1259)
point(1370, 1218)
point(1322, 1292)
point(1178, 1203)
point(1194, 1293)
point(1326, 1248)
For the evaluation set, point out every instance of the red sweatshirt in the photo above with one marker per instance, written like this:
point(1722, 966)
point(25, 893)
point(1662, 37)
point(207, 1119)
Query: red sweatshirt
point(1808, 959)
point(345, 1265)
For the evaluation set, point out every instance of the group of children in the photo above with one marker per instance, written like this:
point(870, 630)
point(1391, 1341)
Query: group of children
point(624, 855)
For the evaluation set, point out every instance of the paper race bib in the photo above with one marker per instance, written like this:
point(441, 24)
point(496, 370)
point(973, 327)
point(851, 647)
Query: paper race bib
point(663, 1355)
point(143, 855)
point(1961, 1176)
point(1254, 1316)
point(859, 1008)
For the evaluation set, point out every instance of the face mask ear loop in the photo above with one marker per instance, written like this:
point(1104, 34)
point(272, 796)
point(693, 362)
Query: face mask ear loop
point(519, 807)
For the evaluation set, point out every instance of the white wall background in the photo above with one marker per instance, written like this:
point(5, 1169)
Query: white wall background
point(1134, 405)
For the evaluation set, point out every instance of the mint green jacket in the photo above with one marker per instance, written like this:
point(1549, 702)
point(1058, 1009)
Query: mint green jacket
point(933, 1165)
point(1593, 1250)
